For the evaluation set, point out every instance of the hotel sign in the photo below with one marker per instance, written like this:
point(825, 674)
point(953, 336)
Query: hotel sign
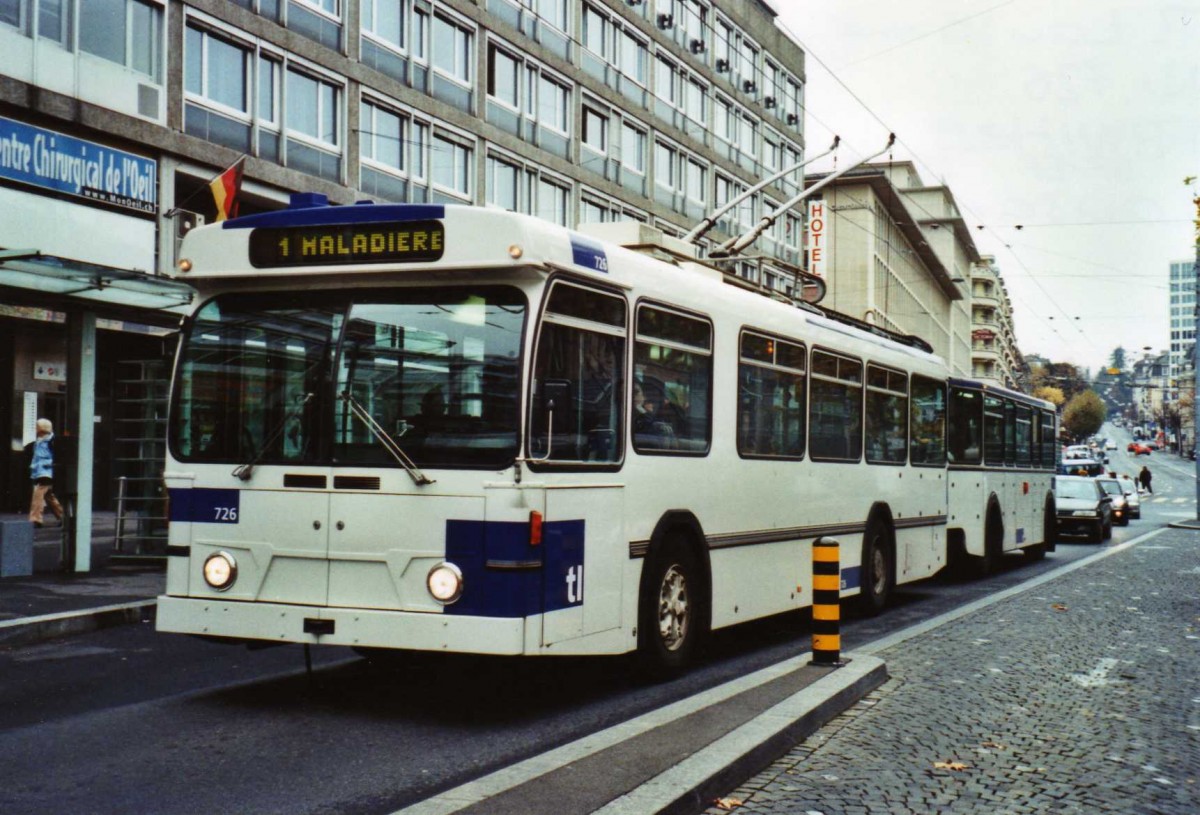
point(54, 161)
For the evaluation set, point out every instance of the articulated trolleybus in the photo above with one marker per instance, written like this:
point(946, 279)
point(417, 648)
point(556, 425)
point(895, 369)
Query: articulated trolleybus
point(460, 429)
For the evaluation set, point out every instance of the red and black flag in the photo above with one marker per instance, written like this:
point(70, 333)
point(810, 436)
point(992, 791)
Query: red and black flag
point(225, 189)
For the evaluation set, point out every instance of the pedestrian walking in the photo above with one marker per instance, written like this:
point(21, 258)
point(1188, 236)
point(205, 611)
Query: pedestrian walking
point(41, 472)
point(1144, 477)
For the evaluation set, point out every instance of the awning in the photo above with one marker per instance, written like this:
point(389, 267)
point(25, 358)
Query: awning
point(62, 282)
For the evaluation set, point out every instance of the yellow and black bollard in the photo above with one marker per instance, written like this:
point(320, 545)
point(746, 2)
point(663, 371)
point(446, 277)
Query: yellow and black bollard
point(826, 606)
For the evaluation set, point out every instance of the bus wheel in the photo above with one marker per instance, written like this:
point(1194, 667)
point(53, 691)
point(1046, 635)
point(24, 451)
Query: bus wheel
point(993, 543)
point(876, 572)
point(669, 625)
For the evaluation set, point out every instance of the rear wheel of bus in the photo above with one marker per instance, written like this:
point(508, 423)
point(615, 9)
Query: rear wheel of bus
point(671, 609)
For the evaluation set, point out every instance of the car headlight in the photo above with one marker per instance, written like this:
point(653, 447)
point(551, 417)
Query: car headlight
point(445, 583)
point(220, 570)
point(1085, 513)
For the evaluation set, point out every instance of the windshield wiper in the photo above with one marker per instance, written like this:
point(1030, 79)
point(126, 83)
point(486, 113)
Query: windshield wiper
point(389, 444)
point(244, 471)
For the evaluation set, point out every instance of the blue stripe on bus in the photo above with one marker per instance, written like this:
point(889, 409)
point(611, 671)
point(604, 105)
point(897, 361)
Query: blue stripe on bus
point(851, 577)
point(589, 254)
point(204, 506)
point(490, 592)
point(332, 216)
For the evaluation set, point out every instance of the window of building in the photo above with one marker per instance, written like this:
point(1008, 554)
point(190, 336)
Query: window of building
point(695, 101)
point(553, 12)
point(632, 56)
point(127, 32)
point(54, 20)
point(672, 379)
point(450, 166)
point(696, 182)
point(553, 104)
point(452, 52)
point(597, 33)
point(595, 130)
point(504, 78)
point(771, 395)
point(312, 108)
point(553, 200)
point(633, 148)
point(217, 70)
point(666, 167)
point(384, 20)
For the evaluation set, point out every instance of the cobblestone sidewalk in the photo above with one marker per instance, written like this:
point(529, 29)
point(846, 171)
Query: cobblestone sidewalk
point(1079, 696)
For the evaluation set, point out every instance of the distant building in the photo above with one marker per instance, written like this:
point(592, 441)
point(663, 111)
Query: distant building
point(994, 353)
point(1183, 316)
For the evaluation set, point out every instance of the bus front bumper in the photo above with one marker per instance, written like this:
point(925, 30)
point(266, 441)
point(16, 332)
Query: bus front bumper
point(362, 628)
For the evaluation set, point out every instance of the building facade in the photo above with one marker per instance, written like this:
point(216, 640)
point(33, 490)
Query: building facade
point(897, 254)
point(994, 353)
point(1183, 317)
point(115, 115)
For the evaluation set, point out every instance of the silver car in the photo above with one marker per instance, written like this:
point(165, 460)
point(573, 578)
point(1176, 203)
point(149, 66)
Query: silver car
point(1120, 502)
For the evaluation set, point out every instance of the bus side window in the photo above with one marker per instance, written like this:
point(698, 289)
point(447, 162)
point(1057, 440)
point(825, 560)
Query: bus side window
point(993, 431)
point(579, 377)
point(771, 397)
point(928, 422)
point(672, 357)
point(966, 426)
point(835, 408)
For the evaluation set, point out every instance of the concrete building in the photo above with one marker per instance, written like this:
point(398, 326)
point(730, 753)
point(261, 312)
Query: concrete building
point(994, 353)
point(899, 254)
point(115, 115)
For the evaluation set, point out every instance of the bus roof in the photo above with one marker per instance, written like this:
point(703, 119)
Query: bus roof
point(1004, 392)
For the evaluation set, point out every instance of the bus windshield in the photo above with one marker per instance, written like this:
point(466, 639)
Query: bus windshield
point(260, 377)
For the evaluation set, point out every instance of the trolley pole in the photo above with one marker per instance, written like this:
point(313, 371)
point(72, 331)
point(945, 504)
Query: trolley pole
point(826, 606)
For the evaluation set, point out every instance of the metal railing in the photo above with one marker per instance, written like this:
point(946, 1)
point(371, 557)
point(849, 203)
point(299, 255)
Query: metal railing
point(141, 523)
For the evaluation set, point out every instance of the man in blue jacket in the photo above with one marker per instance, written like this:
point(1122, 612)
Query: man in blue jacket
point(41, 472)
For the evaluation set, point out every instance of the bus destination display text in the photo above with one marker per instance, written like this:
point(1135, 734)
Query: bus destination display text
point(346, 244)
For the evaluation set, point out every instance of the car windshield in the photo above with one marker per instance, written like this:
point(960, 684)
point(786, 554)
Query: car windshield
point(1111, 486)
point(1083, 490)
point(260, 377)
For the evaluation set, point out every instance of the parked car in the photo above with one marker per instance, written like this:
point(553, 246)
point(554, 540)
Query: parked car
point(1132, 499)
point(1120, 505)
point(1082, 506)
point(1110, 445)
point(1138, 449)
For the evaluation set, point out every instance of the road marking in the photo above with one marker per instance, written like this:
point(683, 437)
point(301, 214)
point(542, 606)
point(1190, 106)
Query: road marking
point(1098, 676)
point(898, 637)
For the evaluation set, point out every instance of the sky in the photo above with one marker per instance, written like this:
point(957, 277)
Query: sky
point(1077, 120)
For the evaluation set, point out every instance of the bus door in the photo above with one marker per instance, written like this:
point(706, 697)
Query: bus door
point(584, 549)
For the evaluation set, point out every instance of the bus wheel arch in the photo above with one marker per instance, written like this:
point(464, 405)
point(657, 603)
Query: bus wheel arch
point(674, 594)
point(877, 572)
point(993, 537)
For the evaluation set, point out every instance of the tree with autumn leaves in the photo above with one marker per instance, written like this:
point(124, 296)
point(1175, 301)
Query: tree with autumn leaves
point(1084, 414)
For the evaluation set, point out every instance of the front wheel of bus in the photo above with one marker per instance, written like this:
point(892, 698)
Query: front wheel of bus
point(670, 621)
point(876, 569)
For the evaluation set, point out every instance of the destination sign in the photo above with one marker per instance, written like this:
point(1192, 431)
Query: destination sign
point(346, 244)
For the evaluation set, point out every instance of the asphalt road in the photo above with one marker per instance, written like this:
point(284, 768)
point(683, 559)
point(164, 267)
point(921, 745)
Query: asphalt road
point(127, 720)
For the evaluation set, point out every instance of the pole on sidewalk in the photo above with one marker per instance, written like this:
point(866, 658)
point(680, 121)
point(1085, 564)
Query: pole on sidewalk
point(827, 603)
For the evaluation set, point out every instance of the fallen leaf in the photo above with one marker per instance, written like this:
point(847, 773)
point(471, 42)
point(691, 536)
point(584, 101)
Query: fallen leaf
point(727, 803)
point(949, 765)
point(993, 745)
point(1058, 607)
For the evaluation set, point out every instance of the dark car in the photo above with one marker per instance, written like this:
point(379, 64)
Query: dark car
point(1083, 507)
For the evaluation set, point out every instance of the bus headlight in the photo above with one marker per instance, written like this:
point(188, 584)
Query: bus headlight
point(220, 570)
point(445, 583)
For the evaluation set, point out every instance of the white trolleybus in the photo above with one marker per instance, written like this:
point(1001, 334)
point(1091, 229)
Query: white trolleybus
point(462, 429)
